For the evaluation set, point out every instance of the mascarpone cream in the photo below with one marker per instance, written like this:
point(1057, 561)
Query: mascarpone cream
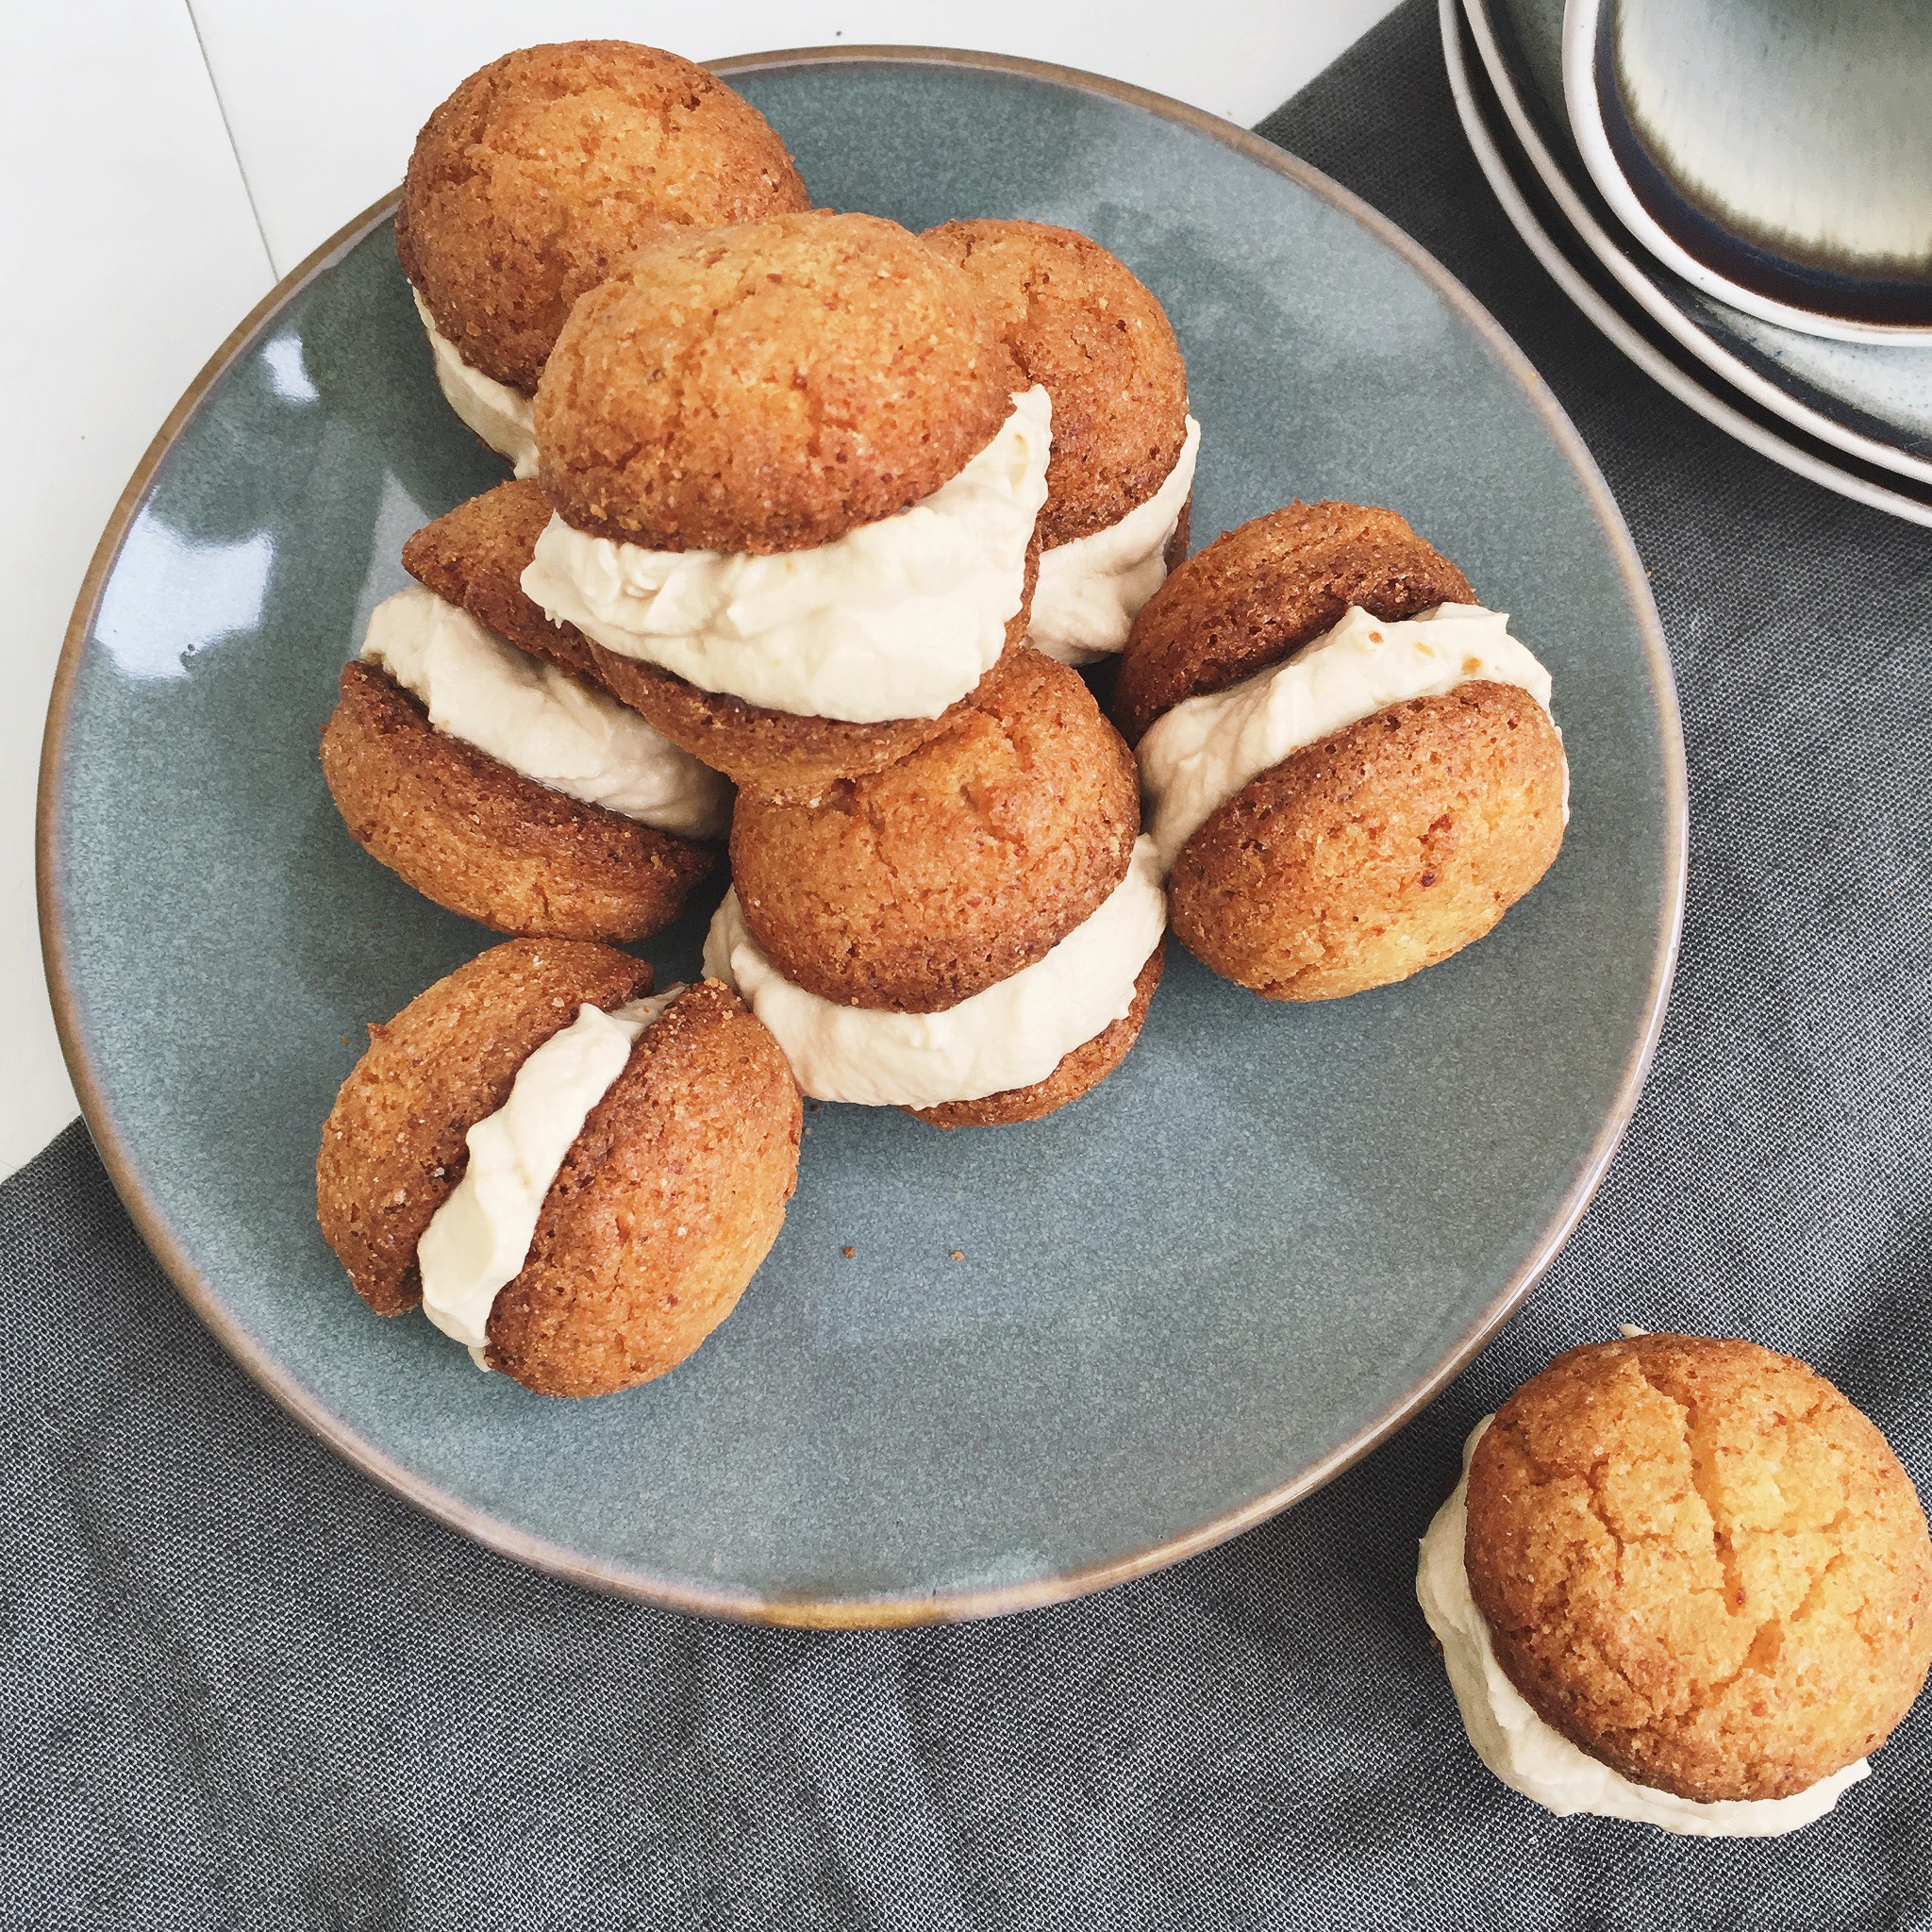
point(478, 1238)
point(1092, 589)
point(1010, 1035)
point(540, 721)
point(505, 418)
point(1199, 754)
point(1533, 1758)
point(896, 619)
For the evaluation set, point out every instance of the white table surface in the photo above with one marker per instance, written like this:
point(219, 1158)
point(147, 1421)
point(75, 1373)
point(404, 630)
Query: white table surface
point(164, 163)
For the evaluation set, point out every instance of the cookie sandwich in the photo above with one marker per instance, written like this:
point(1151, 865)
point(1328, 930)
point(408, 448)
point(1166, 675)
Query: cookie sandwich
point(973, 933)
point(1083, 325)
point(573, 1178)
point(535, 179)
point(1682, 1581)
point(794, 487)
point(1349, 765)
point(513, 790)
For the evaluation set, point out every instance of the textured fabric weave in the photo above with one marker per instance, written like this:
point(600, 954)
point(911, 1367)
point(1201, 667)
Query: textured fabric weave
point(246, 1689)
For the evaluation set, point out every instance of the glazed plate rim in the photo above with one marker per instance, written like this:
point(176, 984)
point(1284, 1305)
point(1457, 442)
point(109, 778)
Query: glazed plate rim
point(913, 1607)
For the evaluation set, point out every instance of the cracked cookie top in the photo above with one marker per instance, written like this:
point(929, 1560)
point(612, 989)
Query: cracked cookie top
point(535, 179)
point(1702, 1564)
point(768, 387)
point(924, 884)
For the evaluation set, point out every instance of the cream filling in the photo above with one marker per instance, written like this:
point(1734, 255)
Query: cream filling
point(540, 721)
point(896, 619)
point(1204, 751)
point(505, 418)
point(1010, 1035)
point(478, 1238)
point(1531, 1757)
point(1092, 589)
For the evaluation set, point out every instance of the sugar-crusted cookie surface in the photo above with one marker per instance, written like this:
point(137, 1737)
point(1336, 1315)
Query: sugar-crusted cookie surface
point(535, 179)
point(1082, 324)
point(768, 387)
point(1262, 591)
point(392, 1149)
point(667, 1202)
point(485, 842)
point(1702, 1564)
point(963, 862)
point(1379, 851)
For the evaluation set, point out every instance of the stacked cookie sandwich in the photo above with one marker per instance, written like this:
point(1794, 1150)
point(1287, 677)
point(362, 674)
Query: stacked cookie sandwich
point(531, 183)
point(1350, 764)
point(574, 1179)
point(794, 488)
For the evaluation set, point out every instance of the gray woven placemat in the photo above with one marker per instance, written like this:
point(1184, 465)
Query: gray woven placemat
point(246, 1689)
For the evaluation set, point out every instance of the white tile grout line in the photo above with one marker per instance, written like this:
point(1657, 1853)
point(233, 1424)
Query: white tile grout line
point(275, 267)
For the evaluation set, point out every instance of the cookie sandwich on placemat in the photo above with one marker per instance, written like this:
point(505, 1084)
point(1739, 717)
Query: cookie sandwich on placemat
point(1682, 1581)
point(534, 180)
point(973, 933)
point(794, 484)
point(1121, 482)
point(574, 1179)
point(513, 790)
point(1350, 766)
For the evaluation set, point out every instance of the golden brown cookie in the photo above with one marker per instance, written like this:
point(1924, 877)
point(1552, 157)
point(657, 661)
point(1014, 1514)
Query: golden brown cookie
point(394, 1147)
point(782, 754)
point(1379, 851)
point(918, 886)
point(1264, 590)
point(487, 843)
point(768, 387)
point(1701, 1564)
point(1080, 1072)
point(474, 557)
point(1084, 327)
point(537, 177)
point(666, 1203)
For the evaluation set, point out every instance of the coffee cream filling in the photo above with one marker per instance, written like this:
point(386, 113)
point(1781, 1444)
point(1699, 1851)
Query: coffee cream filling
point(896, 619)
point(505, 418)
point(539, 720)
point(1010, 1035)
point(479, 1238)
point(1533, 1758)
point(1092, 589)
point(1203, 752)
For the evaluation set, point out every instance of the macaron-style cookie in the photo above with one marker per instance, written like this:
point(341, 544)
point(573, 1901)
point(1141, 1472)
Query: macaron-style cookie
point(973, 933)
point(511, 788)
point(1350, 767)
point(1698, 1565)
point(477, 556)
point(1084, 327)
point(668, 1129)
point(791, 467)
point(486, 842)
point(537, 177)
point(921, 885)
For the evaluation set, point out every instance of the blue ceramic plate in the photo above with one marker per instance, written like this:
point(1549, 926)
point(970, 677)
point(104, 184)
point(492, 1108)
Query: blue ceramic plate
point(1059, 1354)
